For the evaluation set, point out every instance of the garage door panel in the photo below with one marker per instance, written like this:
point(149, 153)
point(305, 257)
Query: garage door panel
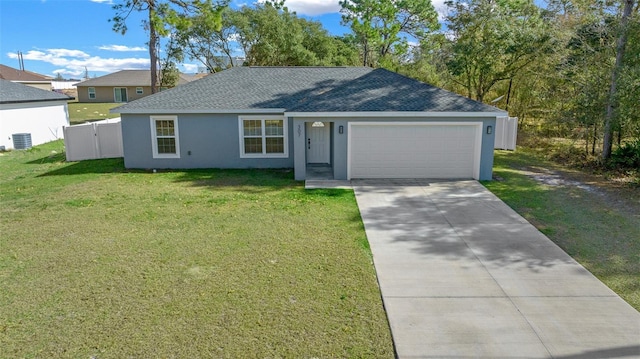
point(412, 151)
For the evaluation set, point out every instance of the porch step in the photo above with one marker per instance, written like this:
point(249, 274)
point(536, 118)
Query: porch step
point(317, 184)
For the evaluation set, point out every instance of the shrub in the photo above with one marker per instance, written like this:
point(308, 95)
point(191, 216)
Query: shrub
point(627, 155)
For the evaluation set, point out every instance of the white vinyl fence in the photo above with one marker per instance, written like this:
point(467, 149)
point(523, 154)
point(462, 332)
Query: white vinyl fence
point(506, 133)
point(93, 140)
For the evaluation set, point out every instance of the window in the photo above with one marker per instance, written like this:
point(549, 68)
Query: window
point(164, 136)
point(120, 94)
point(139, 90)
point(263, 137)
point(92, 93)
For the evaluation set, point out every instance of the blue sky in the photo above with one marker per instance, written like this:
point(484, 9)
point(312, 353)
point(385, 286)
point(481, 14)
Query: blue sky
point(66, 36)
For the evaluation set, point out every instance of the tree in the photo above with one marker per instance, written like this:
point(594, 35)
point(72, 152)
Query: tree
point(382, 26)
point(569, 87)
point(209, 42)
point(271, 35)
point(163, 16)
point(492, 41)
point(426, 62)
point(628, 111)
point(268, 34)
point(621, 43)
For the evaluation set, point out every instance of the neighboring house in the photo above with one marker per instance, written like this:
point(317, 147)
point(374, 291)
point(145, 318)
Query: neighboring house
point(121, 86)
point(26, 78)
point(362, 122)
point(65, 87)
point(27, 110)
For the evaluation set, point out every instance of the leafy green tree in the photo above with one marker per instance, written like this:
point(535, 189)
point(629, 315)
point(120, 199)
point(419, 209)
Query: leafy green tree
point(163, 17)
point(628, 111)
point(425, 62)
point(207, 42)
point(568, 87)
point(492, 41)
point(272, 36)
point(382, 26)
point(268, 34)
point(612, 100)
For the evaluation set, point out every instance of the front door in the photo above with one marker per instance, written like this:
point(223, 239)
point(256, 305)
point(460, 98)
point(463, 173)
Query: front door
point(318, 142)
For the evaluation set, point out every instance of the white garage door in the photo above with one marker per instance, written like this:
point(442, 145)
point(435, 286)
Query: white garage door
point(414, 150)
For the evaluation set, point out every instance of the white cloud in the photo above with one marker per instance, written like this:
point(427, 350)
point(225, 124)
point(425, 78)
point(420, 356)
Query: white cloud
point(67, 53)
point(441, 8)
point(312, 7)
point(122, 48)
point(109, 2)
point(190, 68)
point(74, 62)
point(320, 7)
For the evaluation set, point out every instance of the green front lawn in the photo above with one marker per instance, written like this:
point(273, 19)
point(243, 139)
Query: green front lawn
point(84, 112)
point(99, 262)
point(595, 225)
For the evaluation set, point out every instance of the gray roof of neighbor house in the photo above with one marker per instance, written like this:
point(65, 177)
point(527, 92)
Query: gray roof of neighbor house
point(305, 89)
point(138, 78)
point(12, 92)
point(11, 74)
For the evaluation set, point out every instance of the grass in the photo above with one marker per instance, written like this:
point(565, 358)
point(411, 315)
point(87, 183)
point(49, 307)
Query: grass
point(100, 262)
point(87, 112)
point(598, 229)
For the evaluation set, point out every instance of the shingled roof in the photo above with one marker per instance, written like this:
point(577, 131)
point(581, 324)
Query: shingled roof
point(305, 89)
point(132, 78)
point(11, 74)
point(12, 92)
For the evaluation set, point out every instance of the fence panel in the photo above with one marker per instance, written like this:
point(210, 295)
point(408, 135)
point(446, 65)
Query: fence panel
point(93, 141)
point(506, 133)
point(109, 137)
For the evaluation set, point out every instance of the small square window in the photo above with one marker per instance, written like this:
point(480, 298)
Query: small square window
point(139, 90)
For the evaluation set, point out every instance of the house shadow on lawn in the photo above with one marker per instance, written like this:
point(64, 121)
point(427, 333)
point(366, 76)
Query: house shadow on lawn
point(216, 178)
point(256, 181)
point(109, 165)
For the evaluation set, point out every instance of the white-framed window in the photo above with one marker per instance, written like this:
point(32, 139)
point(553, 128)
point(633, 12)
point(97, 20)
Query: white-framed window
point(92, 92)
point(120, 94)
point(139, 90)
point(164, 137)
point(263, 136)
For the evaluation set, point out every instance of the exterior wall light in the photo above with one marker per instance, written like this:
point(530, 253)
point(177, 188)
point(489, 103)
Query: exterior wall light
point(489, 130)
point(340, 129)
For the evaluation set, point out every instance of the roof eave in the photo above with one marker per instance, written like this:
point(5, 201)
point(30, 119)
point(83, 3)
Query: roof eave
point(398, 114)
point(40, 100)
point(32, 81)
point(194, 111)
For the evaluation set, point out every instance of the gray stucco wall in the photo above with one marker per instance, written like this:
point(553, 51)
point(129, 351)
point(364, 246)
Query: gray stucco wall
point(339, 141)
point(206, 141)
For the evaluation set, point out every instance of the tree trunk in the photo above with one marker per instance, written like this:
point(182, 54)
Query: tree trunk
point(620, 46)
point(509, 94)
point(153, 52)
point(595, 138)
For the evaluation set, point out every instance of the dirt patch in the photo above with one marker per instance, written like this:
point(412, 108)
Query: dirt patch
point(551, 178)
point(622, 196)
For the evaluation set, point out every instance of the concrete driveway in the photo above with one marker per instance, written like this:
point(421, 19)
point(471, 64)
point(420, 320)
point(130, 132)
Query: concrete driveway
point(464, 276)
